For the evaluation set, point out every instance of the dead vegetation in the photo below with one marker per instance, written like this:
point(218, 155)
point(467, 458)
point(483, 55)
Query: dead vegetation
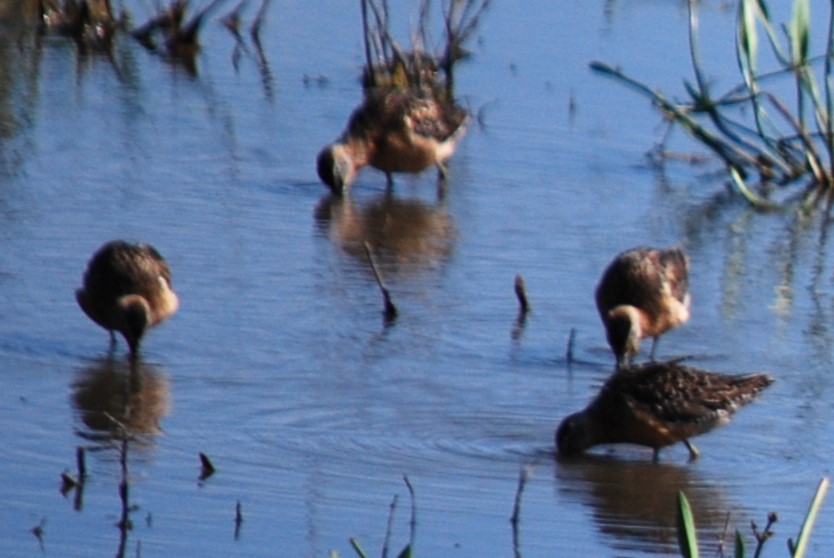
point(428, 62)
point(171, 31)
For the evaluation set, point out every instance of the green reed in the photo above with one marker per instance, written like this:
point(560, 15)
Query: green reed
point(765, 142)
point(407, 549)
point(688, 539)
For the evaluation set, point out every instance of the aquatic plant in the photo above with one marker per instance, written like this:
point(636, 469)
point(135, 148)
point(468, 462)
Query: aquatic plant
point(387, 63)
point(761, 140)
point(170, 32)
point(406, 551)
point(688, 539)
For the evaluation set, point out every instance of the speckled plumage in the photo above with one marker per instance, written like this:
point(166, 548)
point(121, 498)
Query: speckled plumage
point(643, 292)
point(127, 288)
point(658, 404)
point(393, 130)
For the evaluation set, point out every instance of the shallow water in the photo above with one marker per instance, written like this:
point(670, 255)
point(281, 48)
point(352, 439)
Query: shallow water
point(279, 365)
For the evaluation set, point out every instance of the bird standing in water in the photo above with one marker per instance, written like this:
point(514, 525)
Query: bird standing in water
point(127, 288)
point(643, 292)
point(658, 404)
point(393, 130)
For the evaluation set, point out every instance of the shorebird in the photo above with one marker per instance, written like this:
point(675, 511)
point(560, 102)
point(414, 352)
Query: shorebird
point(393, 130)
point(658, 404)
point(127, 288)
point(644, 292)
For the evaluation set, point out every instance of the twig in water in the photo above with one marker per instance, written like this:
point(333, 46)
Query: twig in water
point(571, 343)
point(38, 531)
point(80, 463)
point(390, 310)
point(523, 477)
point(390, 527)
point(257, 24)
point(68, 482)
point(523, 308)
point(521, 294)
point(206, 467)
point(125, 524)
point(231, 21)
point(413, 522)
point(763, 536)
point(238, 520)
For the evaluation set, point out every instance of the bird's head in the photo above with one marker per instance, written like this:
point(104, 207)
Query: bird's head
point(335, 168)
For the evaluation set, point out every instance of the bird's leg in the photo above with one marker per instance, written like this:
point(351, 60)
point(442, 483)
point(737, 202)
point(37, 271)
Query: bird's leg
point(113, 340)
point(656, 455)
point(693, 451)
point(389, 180)
point(654, 346)
point(442, 182)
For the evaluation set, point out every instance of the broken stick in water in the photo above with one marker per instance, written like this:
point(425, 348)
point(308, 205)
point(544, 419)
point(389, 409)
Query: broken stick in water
point(521, 293)
point(238, 519)
point(390, 310)
point(80, 462)
point(206, 466)
point(571, 342)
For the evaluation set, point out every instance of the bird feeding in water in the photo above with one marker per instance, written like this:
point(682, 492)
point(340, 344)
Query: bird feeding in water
point(393, 130)
point(643, 292)
point(658, 404)
point(127, 288)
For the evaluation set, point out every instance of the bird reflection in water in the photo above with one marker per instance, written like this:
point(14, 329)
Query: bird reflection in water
point(634, 503)
point(119, 403)
point(112, 394)
point(403, 233)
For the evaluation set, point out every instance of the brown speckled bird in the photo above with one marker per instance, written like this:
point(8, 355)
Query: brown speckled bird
point(393, 130)
point(644, 292)
point(658, 404)
point(127, 288)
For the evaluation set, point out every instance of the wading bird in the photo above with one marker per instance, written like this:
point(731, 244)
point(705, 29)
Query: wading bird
point(643, 292)
point(393, 130)
point(127, 288)
point(658, 404)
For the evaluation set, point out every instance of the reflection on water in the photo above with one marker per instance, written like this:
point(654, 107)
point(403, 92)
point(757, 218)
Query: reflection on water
point(19, 62)
point(94, 147)
point(112, 393)
point(797, 258)
point(403, 233)
point(634, 503)
point(118, 402)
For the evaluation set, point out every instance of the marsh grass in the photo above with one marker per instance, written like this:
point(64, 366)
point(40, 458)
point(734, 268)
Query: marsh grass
point(778, 152)
point(428, 62)
point(407, 549)
point(688, 538)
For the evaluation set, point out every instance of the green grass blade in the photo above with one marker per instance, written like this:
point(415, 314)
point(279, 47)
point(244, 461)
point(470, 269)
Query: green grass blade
point(739, 546)
point(687, 538)
point(772, 35)
point(406, 552)
point(748, 39)
point(757, 201)
point(805, 531)
point(799, 31)
point(355, 544)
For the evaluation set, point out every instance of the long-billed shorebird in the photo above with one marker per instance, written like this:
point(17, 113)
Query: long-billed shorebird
point(127, 288)
point(393, 130)
point(658, 404)
point(643, 292)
